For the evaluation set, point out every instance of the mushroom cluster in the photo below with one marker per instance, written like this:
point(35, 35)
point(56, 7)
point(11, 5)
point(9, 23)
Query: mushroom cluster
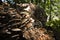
point(22, 23)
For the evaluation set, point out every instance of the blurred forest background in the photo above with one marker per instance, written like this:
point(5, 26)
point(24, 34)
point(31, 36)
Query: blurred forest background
point(52, 9)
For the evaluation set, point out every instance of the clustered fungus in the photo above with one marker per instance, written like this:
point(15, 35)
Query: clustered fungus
point(25, 22)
